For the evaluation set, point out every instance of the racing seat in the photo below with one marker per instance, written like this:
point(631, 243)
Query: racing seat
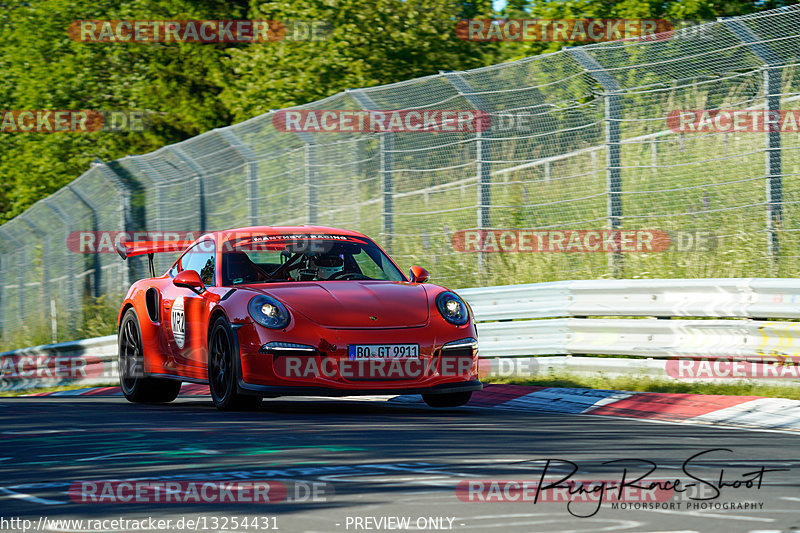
point(237, 266)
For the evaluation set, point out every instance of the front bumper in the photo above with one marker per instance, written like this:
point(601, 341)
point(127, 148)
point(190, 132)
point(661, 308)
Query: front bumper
point(257, 371)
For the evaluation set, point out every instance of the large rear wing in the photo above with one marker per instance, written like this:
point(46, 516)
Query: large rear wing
point(131, 249)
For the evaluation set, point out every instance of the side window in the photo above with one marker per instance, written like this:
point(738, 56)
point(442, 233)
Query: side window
point(368, 266)
point(175, 269)
point(177, 266)
point(201, 259)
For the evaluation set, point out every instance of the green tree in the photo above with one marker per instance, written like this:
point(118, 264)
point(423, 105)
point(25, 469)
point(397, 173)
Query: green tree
point(44, 69)
point(369, 43)
point(622, 9)
point(192, 88)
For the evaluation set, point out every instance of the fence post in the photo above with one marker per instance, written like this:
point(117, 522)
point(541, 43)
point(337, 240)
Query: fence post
point(386, 151)
point(125, 209)
point(654, 157)
point(20, 249)
point(386, 155)
point(4, 255)
point(73, 295)
point(772, 95)
point(483, 153)
point(613, 112)
point(199, 179)
point(252, 171)
point(45, 284)
point(357, 173)
point(2, 294)
point(310, 174)
point(22, 264)
point(95, 257)
point(24, 260)
point(3, 281)
point(145, 168)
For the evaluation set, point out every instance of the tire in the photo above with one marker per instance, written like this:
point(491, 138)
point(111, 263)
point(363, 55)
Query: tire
point(452, 399)
point(135, 385)
point(222, 371)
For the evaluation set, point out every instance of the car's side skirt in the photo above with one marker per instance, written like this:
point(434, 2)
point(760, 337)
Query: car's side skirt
point(178, 378)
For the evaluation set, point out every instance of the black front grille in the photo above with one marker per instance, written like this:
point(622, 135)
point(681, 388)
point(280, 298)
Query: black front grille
point(276, 354)
point(465, 351)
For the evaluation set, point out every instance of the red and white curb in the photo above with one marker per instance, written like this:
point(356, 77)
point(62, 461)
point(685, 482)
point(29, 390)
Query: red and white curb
point(188, 389)
point(732, 411)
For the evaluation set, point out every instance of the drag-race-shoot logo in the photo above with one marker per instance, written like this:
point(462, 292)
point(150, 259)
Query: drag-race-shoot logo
point(178, 322)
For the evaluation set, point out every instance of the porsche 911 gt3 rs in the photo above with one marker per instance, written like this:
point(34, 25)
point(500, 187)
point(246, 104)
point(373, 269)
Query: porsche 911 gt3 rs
point(271, 311)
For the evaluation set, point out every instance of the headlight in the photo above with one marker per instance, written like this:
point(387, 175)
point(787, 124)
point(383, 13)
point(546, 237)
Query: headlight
point(268, 312)
point(452, 308)
point(284, 347)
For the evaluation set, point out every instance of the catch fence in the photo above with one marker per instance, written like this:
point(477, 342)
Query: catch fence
point(578, 141)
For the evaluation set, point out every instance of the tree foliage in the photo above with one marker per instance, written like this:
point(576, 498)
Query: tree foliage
point(44, 69)
point(191, 88)
point(369, 43)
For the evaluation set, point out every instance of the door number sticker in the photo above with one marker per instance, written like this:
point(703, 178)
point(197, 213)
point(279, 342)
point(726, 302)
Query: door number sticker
point(178, 322)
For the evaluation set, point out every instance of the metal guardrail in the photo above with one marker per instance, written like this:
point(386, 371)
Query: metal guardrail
point(713, 297)
point(508, 326)
point(653, 338)
point(642, 317)
point(86, 362)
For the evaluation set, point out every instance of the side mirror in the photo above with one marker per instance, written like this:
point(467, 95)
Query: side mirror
point(189, 279)
point(418, 274)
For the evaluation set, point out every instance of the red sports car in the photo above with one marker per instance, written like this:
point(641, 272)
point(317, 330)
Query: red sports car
point(272, 311)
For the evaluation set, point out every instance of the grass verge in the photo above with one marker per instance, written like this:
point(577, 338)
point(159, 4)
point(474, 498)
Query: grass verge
point(650, 384)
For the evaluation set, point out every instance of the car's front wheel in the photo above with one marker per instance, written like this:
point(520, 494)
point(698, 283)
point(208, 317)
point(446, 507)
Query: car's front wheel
point(135, 385)
point(222, 371)
point(451, 399)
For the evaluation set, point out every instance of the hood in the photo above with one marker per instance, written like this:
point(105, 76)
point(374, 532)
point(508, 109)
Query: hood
point(351, 304)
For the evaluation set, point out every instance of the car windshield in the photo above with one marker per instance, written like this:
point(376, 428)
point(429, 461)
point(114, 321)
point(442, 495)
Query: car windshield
point(271, 258)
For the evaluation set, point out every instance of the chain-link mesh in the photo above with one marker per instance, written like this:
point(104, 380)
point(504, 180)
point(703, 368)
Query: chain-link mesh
point(579, 140)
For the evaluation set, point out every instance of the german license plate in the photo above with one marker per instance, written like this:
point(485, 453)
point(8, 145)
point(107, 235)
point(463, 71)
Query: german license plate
point(383, 351)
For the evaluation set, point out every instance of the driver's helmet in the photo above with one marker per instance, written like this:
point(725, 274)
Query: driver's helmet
point(327, 265)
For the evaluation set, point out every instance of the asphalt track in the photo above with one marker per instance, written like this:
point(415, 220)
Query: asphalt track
point(372, 460)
